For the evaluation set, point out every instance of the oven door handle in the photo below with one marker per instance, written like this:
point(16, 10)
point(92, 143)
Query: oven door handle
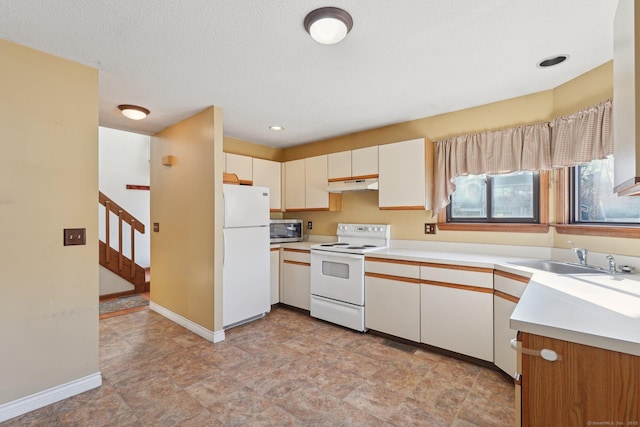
point(343, 255)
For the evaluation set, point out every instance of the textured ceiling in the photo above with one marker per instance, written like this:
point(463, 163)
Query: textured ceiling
point(404, 59)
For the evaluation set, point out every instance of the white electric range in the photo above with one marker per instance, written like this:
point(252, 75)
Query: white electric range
point(337, 273)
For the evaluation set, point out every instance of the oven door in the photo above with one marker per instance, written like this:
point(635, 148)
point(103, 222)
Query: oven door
point(338, 276)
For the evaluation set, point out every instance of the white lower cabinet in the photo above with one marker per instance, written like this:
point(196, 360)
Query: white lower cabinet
point(392, 297)
point(457, 309)
point(275, 275)
point(393, 307)
point(507, 290)
point(296, 280)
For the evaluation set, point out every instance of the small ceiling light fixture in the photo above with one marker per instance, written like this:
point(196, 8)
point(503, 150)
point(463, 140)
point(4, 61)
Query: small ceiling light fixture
point(133, 112)
point(276, 128)
point(328, 25)
point(554, 60)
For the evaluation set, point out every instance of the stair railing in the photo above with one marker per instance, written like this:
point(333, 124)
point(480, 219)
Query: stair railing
point(123, 216)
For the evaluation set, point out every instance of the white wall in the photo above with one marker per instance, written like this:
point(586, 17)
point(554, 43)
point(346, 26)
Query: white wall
point(124, 159)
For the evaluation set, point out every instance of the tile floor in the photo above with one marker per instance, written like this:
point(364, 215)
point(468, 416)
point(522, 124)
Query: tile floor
point(285, 370)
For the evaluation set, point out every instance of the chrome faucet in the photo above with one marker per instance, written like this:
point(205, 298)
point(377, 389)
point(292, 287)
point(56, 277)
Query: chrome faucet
point(580, 252)
point(612, 264)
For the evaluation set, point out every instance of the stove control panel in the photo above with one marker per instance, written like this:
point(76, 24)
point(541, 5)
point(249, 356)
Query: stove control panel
point(373, 230)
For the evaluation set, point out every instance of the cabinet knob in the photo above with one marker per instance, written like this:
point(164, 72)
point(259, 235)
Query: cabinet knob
point(545, 353)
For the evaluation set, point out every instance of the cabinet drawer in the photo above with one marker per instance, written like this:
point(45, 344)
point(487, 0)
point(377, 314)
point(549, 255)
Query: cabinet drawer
point(297, 255)
point(392, 267)
point(459, 275)
point(509, 283)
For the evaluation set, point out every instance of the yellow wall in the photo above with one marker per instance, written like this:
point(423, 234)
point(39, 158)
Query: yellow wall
point(246, 148)
point(585, 90)
point(49, 167)
point(183, 203)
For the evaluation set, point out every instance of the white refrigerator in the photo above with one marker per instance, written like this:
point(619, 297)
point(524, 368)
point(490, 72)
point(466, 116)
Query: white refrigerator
point(245, 271)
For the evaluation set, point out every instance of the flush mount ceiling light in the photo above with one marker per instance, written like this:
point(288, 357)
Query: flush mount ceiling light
point(554, 60)
point(328, 25)
point(133, 112)
point(276, 128)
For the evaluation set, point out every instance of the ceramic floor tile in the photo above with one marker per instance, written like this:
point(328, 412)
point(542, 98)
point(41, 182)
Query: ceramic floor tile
point(159, 401)
point(239, 407)
point(308, 403)
point(106, 411)
point(287, 369)
point(411, 413)
point(375, 400)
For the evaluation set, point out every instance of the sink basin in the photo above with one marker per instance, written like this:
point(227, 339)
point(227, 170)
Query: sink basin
point(558, 267)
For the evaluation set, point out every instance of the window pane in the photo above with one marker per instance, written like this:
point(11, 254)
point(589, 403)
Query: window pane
point(470, 198)
point(512, 195)
point(595, 199)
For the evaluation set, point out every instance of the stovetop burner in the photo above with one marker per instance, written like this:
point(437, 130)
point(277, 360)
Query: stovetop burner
point(358, 239)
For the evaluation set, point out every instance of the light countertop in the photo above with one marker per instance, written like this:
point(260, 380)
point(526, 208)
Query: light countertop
point(599, 310)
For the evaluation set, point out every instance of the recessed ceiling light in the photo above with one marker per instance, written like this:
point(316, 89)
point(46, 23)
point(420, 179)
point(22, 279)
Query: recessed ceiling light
point(328, 25)
point(554, 60)
point(133, 112)
point(276, 128)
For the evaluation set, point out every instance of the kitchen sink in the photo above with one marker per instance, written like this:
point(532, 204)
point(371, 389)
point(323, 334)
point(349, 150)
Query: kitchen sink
point(558, 267)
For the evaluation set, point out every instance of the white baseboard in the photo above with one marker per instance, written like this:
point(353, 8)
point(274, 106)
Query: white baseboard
point(205, 333)
point(47, 397)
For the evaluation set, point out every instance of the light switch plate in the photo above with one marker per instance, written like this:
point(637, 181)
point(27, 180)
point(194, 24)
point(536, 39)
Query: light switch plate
point(75, 236)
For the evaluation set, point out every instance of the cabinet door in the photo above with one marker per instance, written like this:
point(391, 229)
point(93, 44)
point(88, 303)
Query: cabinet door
point(364, 162)
point(507, 289)
point(457, 319)
point(241, 166)
point(266, 173)
point(393, 306)
point(402, 179)
point(339, 165)
point(294, 186)
point(504, 357)
point(587, 385)
point(316, 182)
point(275, 275)
point(296, 284)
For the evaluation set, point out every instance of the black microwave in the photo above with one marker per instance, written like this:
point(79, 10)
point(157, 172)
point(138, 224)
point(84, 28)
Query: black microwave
point(285, 230)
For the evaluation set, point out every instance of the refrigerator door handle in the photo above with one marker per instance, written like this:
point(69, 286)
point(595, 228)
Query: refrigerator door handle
point(224, 249)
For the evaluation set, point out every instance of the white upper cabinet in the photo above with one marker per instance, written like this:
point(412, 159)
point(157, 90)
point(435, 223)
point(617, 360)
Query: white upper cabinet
point(339, 165)
point(402, 175)
point(316, 194)
point(306, 186)
point(242, 166)
point(364, 162)
point(294, 185)
point(359, 163)
point(267, 173)
point(626, 102)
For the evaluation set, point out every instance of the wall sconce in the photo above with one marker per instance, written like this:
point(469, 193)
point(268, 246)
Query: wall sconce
point(168, 160)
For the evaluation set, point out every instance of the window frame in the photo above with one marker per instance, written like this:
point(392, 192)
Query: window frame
point(489, 205)
point(511, 227)
point(563, 214)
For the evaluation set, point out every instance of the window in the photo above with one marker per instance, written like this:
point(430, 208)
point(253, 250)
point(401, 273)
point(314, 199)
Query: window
point(593, 200)
point(506, 198)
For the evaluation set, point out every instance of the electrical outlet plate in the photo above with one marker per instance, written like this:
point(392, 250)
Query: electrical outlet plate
point(75, 236)
point(429, 228)
point(309, 225)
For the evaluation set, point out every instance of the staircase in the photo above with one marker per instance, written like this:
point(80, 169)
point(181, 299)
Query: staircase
point(113, 259)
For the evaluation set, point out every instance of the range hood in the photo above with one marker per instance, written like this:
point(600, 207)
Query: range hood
point(365, 184)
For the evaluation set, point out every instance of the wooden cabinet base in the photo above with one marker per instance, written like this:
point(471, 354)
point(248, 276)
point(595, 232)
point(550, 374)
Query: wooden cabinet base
point(586, 386)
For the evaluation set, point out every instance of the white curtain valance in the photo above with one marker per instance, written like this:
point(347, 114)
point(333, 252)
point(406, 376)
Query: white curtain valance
point(583, 136)
point(566, 141)
point(504, 151)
